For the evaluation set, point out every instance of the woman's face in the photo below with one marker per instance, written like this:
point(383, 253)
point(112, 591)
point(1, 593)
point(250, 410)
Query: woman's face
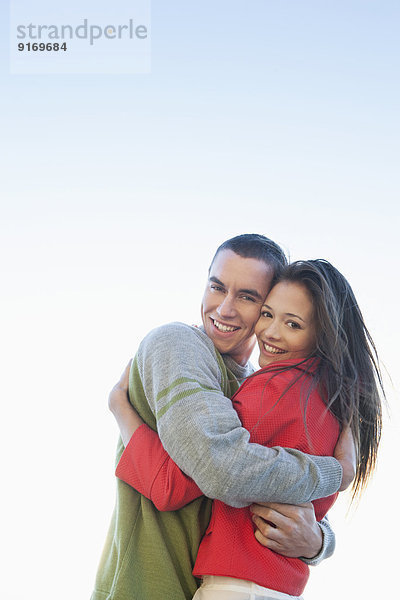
point(285, 328)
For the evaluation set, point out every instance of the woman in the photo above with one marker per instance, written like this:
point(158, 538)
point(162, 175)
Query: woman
point(315, 354)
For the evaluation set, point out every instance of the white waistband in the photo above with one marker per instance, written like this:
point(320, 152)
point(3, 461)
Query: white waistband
point(242, 585)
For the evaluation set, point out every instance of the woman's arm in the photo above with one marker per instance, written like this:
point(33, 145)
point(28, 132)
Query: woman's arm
point(144, 464)
point(126, 416)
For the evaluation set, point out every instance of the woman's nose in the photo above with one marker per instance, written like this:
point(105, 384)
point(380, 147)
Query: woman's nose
point(272, 331)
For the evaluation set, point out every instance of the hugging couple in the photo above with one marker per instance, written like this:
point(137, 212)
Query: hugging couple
point(225, 473)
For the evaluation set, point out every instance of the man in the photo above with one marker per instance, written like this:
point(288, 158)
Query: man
point(180, 383)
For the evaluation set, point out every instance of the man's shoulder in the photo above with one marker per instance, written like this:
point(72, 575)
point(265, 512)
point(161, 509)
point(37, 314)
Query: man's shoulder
point(177, 329)
point(174, 352)
point(177, 335)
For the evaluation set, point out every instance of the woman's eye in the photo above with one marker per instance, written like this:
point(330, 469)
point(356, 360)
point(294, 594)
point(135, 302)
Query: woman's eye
point(265, 313)
point(294, 325)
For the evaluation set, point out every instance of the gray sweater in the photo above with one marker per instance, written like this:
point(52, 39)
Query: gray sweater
point(182, 378)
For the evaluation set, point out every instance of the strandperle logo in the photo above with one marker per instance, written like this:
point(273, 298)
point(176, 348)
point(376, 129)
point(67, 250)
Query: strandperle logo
point(85, 31)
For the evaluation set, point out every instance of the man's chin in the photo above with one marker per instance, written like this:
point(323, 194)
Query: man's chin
point(231, 345)
point(224, 346)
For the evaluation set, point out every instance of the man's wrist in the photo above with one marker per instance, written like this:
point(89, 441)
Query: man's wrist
point(316, 543)
point(330, 476)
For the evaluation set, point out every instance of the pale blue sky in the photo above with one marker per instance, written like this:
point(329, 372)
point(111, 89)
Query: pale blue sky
point(276, 117)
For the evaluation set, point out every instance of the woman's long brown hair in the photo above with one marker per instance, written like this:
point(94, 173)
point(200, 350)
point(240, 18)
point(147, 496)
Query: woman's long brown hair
point(348, 374)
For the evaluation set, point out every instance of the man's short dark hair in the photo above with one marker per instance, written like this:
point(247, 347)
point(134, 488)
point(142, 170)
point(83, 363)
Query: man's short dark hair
point(255, 245)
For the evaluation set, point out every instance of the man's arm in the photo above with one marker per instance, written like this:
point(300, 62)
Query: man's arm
point(293, 531)
point(328, 544)
point(147, 467)
point(201, 431)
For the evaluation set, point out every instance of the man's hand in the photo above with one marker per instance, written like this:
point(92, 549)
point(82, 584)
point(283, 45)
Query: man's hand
point(288, 529)
point(118, 402)
point(345, 453)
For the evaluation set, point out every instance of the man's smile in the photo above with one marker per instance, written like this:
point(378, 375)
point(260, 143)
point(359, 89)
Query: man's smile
point(222, 327)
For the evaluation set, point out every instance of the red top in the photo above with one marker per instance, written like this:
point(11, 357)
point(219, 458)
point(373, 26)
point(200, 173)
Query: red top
point(274, 416)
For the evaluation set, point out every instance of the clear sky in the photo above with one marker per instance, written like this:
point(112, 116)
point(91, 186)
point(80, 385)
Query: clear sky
point(276, 117)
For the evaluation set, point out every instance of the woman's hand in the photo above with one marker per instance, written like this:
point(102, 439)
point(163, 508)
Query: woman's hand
point(119, 394)
point(126, 416)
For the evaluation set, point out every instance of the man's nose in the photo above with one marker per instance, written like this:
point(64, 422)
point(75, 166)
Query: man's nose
point(227, 308)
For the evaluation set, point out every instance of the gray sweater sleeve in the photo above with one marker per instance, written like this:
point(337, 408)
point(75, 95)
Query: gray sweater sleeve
point(328, 544)
point(201, 431)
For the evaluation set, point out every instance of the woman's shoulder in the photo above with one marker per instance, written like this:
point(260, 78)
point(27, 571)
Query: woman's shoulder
point(284, 372)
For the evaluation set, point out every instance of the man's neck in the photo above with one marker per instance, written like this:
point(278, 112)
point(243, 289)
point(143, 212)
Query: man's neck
point(242, 356)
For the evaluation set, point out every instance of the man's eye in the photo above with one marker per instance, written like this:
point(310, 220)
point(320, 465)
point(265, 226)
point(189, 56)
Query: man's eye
point(217, 288)
point(248, 298)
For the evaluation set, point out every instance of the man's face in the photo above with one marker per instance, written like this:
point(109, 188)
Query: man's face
point(232, 302)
